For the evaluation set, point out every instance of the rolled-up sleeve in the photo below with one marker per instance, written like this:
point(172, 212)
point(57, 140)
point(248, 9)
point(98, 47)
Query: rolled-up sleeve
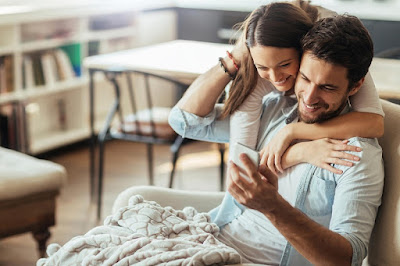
point(208, 128)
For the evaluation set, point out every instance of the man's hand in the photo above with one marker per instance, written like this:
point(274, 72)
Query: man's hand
point(260, 192)
point(316, 243)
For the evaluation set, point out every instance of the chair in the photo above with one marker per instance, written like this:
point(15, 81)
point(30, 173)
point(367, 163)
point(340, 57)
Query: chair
point(384, 245)
point(28, 191)
point(145, 122)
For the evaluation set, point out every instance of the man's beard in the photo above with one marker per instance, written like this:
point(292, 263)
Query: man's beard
point(324, 115)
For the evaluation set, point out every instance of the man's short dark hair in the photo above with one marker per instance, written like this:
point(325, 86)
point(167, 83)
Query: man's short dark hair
point(341, 40)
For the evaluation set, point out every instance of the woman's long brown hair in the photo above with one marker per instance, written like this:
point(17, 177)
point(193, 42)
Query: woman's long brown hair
point(276, 24)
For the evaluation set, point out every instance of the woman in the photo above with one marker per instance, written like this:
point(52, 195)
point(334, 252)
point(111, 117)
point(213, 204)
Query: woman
point(266, 58)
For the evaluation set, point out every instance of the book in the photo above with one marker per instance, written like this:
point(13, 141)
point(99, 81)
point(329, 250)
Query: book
point(64, 66)
point(28, 74)
point(49, 66)
point(8, 126)
point(2, 76)
point(9, 73)
point(73, 52)
point(37, 70)
point(93, 48)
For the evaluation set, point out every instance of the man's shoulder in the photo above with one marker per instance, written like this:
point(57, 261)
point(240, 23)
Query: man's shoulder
point(370, 144)
point(276, 107)
point(370, 157)
point(275, 100)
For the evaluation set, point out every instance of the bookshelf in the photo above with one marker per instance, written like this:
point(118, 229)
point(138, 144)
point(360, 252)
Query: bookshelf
point(43, 87)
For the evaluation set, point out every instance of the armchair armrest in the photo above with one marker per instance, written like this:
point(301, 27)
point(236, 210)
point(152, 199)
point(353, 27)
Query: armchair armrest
point(202, 201)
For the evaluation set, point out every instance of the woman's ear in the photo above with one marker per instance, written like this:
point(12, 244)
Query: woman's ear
point(356, 87)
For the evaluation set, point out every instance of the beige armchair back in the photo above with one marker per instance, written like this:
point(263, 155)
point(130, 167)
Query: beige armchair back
point(384, 247)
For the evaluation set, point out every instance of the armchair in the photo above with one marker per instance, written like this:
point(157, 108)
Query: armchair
point(384, 246)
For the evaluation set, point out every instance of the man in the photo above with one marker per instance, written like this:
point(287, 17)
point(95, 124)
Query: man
point(308, 215)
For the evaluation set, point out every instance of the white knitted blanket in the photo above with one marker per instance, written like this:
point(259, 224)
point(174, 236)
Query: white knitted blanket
point(144, 233)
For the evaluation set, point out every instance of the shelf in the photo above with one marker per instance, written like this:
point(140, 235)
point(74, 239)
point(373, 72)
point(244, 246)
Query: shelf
point(58, 87)
point(47, 44)
point(10, 97)
point(111, 34)
point(5, 50)
point(56, 139)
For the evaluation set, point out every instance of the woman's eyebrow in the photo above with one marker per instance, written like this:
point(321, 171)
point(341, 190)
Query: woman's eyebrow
point(280, 63)
point(284, 61)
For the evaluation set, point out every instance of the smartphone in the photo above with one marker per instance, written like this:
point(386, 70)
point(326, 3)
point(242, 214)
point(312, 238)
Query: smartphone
point(238, 149)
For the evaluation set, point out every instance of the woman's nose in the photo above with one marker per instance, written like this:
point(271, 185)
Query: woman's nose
point(274, 75)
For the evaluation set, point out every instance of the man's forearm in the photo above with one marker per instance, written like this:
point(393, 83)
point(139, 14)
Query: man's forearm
point(316, 243)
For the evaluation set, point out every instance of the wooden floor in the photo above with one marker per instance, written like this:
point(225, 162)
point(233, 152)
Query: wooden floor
point(126, 166)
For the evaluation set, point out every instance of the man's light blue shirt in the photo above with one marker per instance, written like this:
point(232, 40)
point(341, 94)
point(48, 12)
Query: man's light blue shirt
point(346, 204)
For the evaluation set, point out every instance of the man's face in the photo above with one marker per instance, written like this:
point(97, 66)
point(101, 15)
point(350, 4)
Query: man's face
point(321, 89)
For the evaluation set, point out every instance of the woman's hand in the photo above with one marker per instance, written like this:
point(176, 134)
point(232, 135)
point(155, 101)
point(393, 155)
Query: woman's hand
point(240, 51)
point(271, 155)
point(324, 152)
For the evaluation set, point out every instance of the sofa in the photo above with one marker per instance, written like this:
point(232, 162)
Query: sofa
point(384, 247)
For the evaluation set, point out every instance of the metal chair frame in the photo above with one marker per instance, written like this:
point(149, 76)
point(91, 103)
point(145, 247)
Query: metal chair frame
point(106, 133)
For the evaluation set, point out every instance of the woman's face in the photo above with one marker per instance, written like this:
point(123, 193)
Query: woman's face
point(277, 65)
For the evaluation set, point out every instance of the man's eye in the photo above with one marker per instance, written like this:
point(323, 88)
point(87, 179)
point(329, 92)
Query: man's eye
point(285, 65)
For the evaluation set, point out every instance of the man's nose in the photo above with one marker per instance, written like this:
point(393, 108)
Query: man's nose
point(311, 94)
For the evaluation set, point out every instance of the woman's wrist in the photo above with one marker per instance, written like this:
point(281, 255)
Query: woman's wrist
point(289, 132)
point(294, 155)
point(231, 64)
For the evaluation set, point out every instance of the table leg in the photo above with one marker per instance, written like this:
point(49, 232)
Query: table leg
point(92, 137)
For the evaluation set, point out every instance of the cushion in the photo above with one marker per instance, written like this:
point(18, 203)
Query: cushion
point(22, 175)
point(140, 123)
